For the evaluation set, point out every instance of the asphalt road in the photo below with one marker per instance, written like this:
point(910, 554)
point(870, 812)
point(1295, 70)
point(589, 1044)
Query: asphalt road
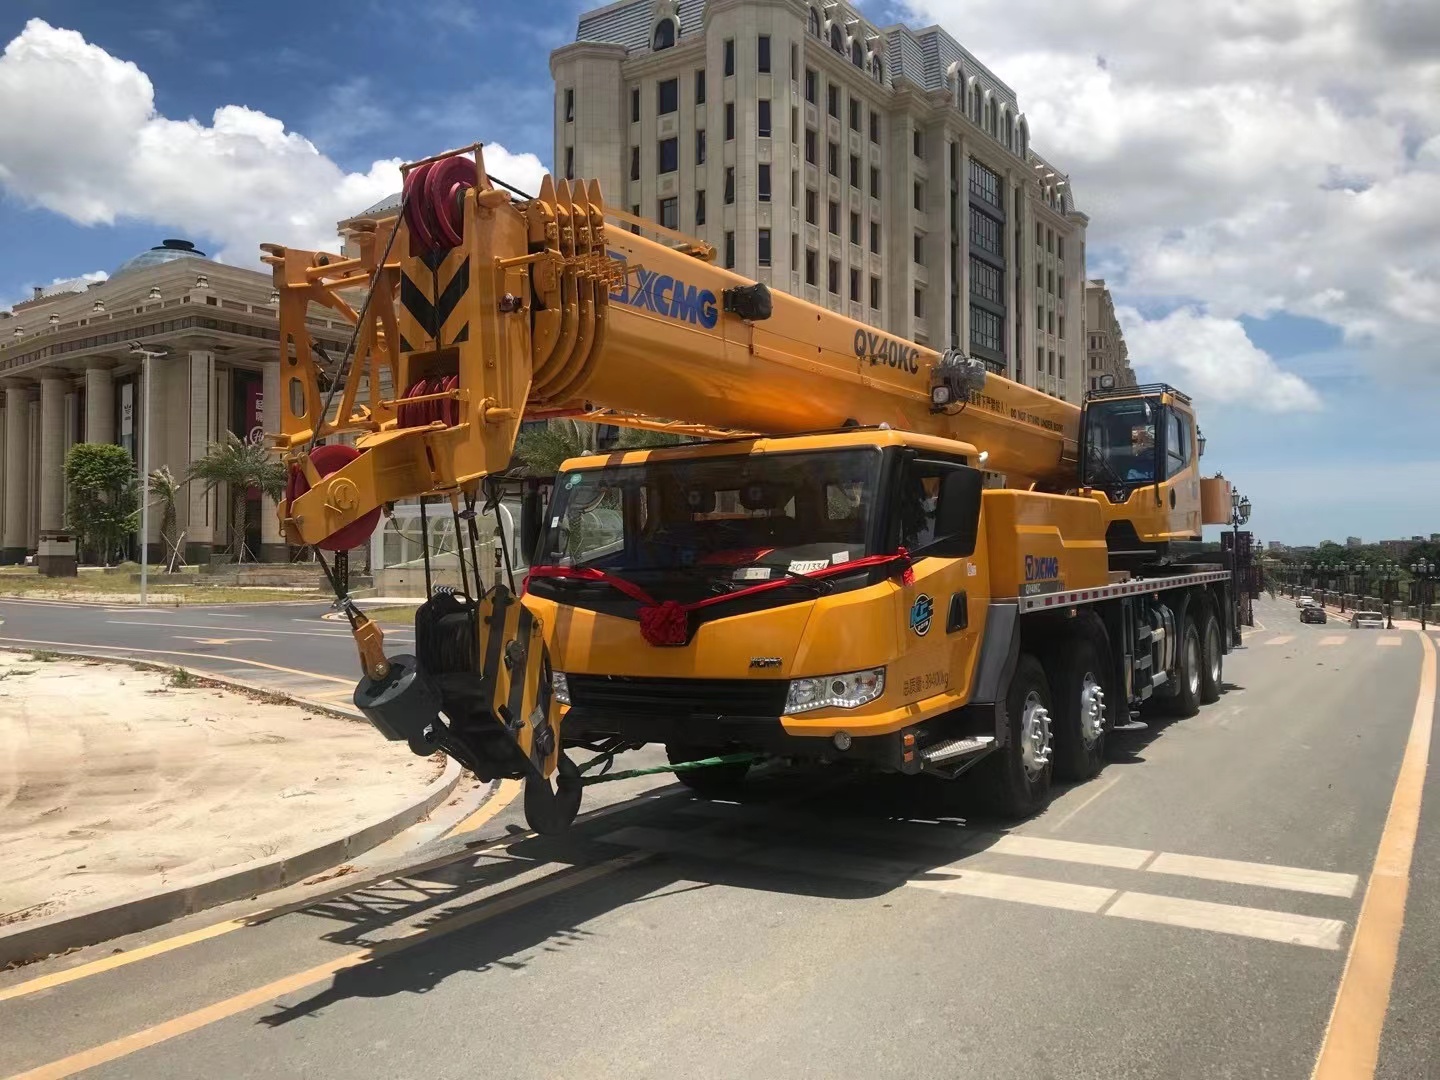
point(1188, 913)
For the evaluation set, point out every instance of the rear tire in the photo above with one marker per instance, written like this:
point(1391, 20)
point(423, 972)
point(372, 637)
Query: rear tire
point(1080, 684)
point(1189, 669)
point(1014, 781)
point(711, 782)
point(1212, 657)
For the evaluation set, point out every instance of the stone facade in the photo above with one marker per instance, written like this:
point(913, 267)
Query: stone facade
point(1107, 354)
point(885, 173)
point(69, 376)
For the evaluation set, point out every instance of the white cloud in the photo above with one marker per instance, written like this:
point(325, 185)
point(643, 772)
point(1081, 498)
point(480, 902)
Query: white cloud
point(1251, 156)
point(79, 135)
point(1212, 358)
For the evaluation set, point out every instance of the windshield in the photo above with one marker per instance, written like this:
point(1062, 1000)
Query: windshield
point(1119, 442)
point(742, 518)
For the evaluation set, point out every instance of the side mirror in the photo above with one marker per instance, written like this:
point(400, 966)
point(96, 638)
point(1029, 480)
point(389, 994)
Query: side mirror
point(532, 519)
point(957, 516)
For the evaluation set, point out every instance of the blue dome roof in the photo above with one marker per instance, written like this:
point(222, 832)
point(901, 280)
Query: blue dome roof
point(165, 251)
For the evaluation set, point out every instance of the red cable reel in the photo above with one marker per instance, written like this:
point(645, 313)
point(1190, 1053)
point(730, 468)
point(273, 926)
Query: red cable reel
point(330, 459)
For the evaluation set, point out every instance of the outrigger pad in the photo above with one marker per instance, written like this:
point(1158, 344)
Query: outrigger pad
point(403, 705)
point(549, 811)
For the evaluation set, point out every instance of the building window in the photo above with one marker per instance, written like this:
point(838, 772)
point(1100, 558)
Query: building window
point(729, 120)
point(1060, 247)
point(762, 54)
point(985, 233)
point(919, 195)
point(1050, 322)
point(700, 147)
point(729, 57)
point(1062, 371)
point(1050, 281)
point(669, 215)
point(833, 277)
point(763, 114)
point(794, 73)
point(854, 286)
point(729, 250)
point(569, 163)
point(874, 182)
point(1060, 287)
point(877, 68)
point(763, 241)
point(635, 163)
point(794, 125)
point(1062, 326)
point(635, 105)
point(919, 249)
point(664, 35)
point(875, 237)
point(919, 140)
point(837, 42)
point(985, 184)
point(1039, 359)
point(729, 185)
point(811, 81)
point(700, 207)
point(987, 330)
point(919, 304)
point(569, 106)
point(832, 100)
point(985, 281)
point(875, 293)
point(857, 54)
point(812, 267)
point(834, 218)
point(832, 159)
point(1050, 241)
point(854, 114)
point(810, 145)
point(1051, 355)
point(812, 207)
point(855, 171)
point(874, 126)
point(667, 96)
point(794, 250)
point(668, 155)
point(700, 87)
point(1039, 317)
point(814, 22)
point(635, 212)
point(854, 228)
point(763, 183)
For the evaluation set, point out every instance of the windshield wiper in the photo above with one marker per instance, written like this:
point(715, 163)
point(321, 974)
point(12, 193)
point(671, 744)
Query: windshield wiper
point(1097, 455)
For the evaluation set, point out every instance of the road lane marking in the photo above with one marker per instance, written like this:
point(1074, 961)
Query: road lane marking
point(1036, 847)
point(113, 652)
point(227, 615)
point(1283, 639)
point(502, 797)
point(261, 995)
point(1293, 878)
point(1350, 1049)
point(1334, 639)
point(1389, 639)
point(199, 626)
point(1101, 789)
point(218, 640)
point(1281, 926)
point(1088, 899)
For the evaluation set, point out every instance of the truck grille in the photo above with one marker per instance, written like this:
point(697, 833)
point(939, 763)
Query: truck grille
point(679, 697)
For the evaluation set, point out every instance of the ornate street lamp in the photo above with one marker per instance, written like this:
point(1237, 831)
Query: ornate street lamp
point(1424, 571)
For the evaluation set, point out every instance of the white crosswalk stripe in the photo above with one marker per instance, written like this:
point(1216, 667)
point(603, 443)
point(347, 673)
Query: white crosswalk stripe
point(1389, 639)
point(1283, 639)
point(1334, 639)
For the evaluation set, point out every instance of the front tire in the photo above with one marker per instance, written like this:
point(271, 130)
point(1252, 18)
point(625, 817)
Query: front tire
point(1212, 656)
point(1014, 781)
point(1078, 678)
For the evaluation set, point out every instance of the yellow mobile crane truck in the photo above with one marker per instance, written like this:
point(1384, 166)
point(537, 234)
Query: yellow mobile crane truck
point(876, 554)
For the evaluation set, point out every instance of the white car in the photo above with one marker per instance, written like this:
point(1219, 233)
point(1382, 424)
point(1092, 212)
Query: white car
point(1302, 601)
point(1367, 620)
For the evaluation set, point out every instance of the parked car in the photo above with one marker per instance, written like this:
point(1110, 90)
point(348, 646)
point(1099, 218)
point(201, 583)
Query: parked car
point(1302, 600)
point(1312, 613)
point(1367, 620)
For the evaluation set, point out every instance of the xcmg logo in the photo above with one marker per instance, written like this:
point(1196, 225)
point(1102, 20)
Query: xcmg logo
point(666, 295)
point(1041, 568)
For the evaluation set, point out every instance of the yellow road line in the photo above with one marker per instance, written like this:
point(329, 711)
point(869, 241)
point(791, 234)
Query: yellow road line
point(503, 797)
point(122, 653)
point(1351, 1047)
point(220, 1010)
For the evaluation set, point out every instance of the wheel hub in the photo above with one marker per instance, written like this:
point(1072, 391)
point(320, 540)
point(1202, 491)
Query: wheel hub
point(1092, 709)
point(1034, 735)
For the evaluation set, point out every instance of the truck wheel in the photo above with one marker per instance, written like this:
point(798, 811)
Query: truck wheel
point(1213, 658)
point(1014, 781)
point(1189, 671)
point(1078, 679)
point(711, 782)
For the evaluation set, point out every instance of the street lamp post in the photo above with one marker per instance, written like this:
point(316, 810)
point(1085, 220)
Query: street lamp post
point(1424, 571)
point(137, 348)
point(1389, 574)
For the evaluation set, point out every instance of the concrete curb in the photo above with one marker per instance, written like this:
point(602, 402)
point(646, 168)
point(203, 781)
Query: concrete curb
point(30, 941)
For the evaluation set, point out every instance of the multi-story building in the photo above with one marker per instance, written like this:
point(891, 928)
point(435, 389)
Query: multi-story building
point(1353, 542)
point(1105, 343)
point(885, 173)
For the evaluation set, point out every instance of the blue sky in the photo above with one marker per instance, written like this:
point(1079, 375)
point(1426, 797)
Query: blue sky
point(1347, 445)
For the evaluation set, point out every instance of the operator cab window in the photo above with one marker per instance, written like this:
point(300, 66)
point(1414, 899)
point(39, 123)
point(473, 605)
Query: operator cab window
point(918, 506)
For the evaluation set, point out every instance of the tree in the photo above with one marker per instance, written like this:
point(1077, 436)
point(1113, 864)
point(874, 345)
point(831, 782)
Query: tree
point(165, 489)
point(103, 500)
point(542, 450)
point(242, 465)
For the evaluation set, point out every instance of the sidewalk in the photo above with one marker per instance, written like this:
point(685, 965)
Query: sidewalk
point(116, 784)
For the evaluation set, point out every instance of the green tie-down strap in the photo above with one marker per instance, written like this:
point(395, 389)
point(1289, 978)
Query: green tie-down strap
point(684, 766)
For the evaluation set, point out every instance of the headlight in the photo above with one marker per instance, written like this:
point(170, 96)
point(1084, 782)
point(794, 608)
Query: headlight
point(847, 691)
point(560, 687)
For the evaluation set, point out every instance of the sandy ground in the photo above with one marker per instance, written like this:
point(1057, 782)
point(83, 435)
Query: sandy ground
point(114, 782)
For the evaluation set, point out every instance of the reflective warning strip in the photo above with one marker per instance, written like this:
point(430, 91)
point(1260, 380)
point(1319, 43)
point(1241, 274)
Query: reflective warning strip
point(1124, 588)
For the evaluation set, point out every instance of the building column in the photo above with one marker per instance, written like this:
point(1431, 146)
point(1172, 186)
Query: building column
point(32, 514)
point(964, 246)
point(17, 474)
point(99, 405)
point(272, 544)
point(52, 453)
point(1012, 297)
point(200, 523)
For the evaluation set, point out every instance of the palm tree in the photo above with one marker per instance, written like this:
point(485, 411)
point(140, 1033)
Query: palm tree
point(543, 449)
point(165, 488)
point(242, 465)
